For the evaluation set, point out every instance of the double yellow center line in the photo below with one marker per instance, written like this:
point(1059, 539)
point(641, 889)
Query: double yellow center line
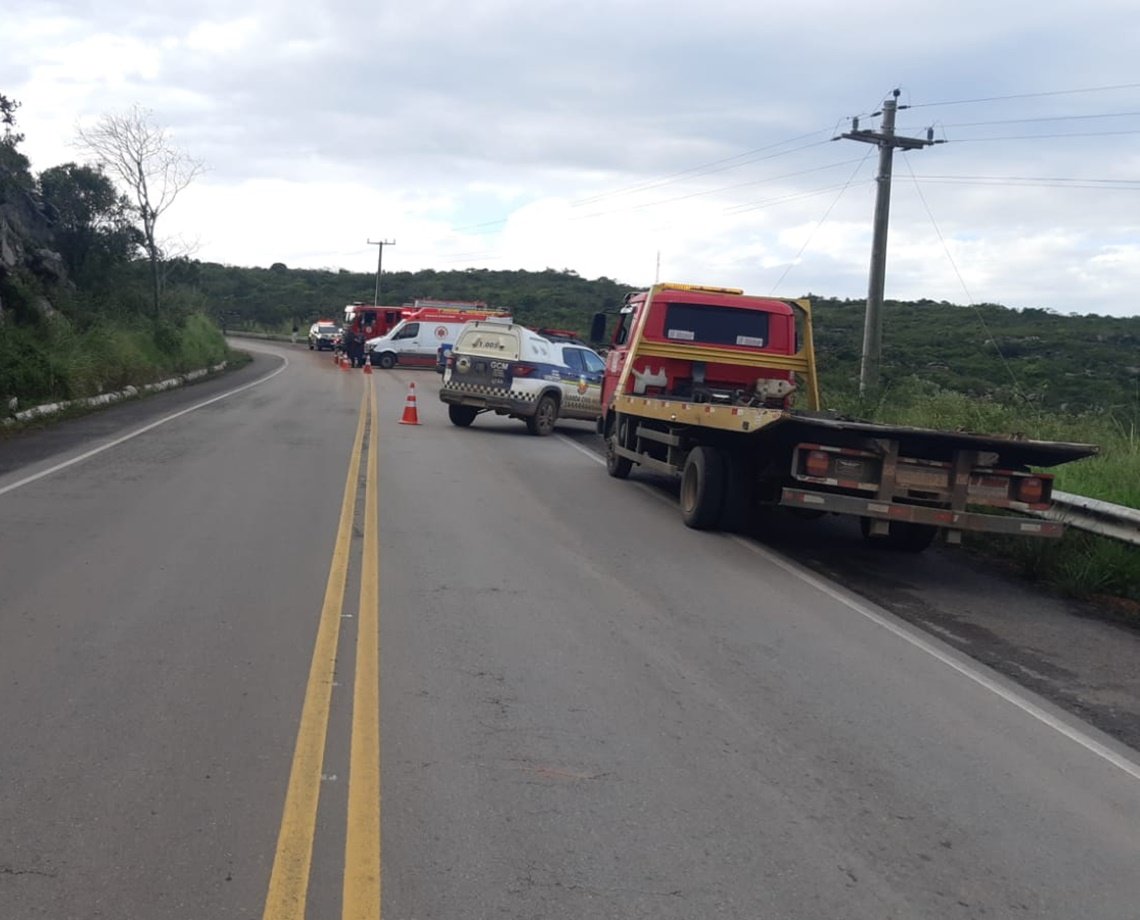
point(289, 881)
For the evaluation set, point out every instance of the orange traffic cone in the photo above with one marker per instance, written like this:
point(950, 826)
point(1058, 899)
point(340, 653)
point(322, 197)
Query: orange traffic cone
point(367, 365)
point(345, 364)
point(411, 416)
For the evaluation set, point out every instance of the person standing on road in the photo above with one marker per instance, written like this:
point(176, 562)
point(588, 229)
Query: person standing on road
point(296, 329)
point(356, 348)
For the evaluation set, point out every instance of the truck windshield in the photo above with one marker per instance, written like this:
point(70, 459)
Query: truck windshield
point(685, 322)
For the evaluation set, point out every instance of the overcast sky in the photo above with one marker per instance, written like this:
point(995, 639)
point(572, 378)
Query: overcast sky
point(605, 136)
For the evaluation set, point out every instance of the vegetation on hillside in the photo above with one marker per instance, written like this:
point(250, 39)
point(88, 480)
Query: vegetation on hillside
point(275, 297)
point(1031, 358)
point(77, 313)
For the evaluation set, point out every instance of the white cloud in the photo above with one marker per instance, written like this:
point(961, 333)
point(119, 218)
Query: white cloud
point(565, 134)
point(222, 37)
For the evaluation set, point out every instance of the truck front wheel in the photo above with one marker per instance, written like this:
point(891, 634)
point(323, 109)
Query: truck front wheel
point(702, 488)
point(616, 466)
point(386, 360)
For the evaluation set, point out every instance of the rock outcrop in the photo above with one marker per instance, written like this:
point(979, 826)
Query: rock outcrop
point(27, 244)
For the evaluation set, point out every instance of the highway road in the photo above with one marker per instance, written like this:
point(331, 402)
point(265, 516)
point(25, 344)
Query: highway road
point(277, 655)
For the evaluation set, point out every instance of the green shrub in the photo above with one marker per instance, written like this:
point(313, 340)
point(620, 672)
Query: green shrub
point(1080, 564)
point(54, 360)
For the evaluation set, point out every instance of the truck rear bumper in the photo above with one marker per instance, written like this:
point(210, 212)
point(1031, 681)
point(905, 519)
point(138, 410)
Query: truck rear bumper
point(918, 514)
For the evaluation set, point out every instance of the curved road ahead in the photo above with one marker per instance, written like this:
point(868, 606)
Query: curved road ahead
point(246, 648)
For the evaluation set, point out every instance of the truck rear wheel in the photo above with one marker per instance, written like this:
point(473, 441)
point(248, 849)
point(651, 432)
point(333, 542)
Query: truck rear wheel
point(903, 536)
point(702, 488)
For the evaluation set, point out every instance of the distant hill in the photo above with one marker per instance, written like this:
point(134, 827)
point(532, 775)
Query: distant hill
point(1052, 361)
point(1072, 363)
point(275, 296)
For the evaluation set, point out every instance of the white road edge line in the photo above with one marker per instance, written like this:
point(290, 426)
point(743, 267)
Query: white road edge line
point(87, 455)
point(931, 648)
point(582, 450)
point(981, 679)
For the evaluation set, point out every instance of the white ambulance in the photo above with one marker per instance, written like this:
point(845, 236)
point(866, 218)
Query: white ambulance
point(416, 339)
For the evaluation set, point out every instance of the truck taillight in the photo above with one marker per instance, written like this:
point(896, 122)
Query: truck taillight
point(817, 463)
point(522, 370)
point(1030, 490)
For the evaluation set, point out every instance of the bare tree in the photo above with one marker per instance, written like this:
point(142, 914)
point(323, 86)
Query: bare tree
point(138, 153)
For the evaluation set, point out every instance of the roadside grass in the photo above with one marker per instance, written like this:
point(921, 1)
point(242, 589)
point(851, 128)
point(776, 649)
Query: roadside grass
point(54, 360)
point(1080, 564)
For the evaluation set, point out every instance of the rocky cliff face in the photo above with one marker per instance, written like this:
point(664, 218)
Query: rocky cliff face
point(27, 245)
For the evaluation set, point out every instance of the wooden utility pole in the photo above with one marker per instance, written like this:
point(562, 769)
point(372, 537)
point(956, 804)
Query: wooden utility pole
point(887, 141)
point(379, 265)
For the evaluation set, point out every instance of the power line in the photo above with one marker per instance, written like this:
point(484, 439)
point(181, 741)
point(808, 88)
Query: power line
point(714, 191)
point(650, 204)
point(1059, 92)
point(486, 223)
point(1115, 185)
point(1025, 121)
point(1040, 137)
point(1034, 179)
point(962, 281)
point(769, 202)
point(750, 156)
point(822, 221)
point(707, 168)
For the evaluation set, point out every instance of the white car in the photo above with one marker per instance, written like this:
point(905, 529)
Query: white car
point(511, 370)
point(324, 335)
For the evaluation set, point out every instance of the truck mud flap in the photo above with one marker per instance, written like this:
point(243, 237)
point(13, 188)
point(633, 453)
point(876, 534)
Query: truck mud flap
point(918, 514)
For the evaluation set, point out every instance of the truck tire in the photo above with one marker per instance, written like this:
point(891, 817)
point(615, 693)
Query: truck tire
point(386, 360)
point(737, 504)
point(461, 416)
point(702, 488)
point(903, 536)
point(545, 415)
point(618, 467)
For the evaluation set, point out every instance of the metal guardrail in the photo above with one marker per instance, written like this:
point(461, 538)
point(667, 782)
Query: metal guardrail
point(1095, 516)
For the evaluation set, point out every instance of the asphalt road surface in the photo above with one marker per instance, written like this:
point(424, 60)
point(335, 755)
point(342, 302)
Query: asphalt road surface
point(277, 629)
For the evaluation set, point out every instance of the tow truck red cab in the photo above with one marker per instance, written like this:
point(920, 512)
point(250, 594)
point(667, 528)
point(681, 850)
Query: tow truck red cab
point(370, 320)
point(702, 344)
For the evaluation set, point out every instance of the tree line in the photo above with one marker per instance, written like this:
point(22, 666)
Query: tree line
point(102, 221)
point(1031, 357)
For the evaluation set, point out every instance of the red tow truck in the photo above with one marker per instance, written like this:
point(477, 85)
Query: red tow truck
point(706, 383)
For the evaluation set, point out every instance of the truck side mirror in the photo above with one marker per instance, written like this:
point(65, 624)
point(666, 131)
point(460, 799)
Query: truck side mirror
point(598, 328)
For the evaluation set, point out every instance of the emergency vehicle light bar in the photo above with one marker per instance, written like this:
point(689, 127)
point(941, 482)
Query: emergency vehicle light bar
point(706, 289)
